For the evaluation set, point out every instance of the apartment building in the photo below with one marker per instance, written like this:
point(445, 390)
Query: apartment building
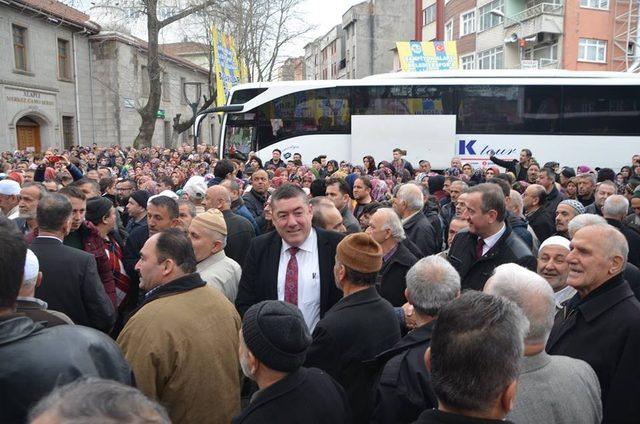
point(363, 43)
point(586, 35)
point(292, 69)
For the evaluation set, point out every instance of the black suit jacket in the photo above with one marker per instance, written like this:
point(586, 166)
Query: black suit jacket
point(240, 232)
point(419, 230)
point(259, 279)
point(475, 272)
point(603, 329)
point(357, 329)
point(307, 395)
point(71, 284)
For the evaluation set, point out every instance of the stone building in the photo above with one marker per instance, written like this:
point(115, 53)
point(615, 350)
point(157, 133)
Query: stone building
point(45, 79)
point(66, 82)
point(121, 85)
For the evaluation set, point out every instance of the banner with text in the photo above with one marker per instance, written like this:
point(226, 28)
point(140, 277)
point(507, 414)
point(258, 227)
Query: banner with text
point(416, 56)
point(229, 70)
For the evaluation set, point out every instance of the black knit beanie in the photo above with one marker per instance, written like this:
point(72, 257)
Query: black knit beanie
point(276, 334)
point(141, 197)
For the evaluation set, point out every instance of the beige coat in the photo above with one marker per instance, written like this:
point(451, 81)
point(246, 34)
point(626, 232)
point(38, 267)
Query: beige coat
point(221, 272)
point(183, 349)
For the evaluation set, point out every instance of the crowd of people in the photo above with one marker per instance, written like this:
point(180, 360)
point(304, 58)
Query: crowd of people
point(171, 285)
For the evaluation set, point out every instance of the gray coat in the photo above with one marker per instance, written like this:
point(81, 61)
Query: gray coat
point(556, 389)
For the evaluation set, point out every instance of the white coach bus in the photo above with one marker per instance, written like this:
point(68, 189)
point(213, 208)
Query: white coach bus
point(568, 117)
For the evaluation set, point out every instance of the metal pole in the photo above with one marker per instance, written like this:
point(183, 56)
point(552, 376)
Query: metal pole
point(194, 108)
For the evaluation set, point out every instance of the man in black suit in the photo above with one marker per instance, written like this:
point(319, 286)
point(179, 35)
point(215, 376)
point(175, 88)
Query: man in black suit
point(537, 213)
point(601, 323)
point(70, 280)
point(614, 210)
point(408, 205)
point(489, 241)
point(358, 328)
point(304, 278)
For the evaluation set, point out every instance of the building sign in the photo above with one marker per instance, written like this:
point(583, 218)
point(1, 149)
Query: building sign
point(417, 56)
point(29, 97)
point(229, 71)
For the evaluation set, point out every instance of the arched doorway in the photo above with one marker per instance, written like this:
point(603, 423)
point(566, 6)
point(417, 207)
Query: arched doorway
point(28, 131)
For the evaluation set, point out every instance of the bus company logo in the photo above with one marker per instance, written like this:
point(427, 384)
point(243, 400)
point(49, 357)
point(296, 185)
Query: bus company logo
point(468, 147)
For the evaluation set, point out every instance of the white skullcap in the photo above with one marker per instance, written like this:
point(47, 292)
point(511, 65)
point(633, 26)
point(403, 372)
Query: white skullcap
point(31, 266)
point(9, 188)
point(555, 241)
point(196, 187)
point(166, 193)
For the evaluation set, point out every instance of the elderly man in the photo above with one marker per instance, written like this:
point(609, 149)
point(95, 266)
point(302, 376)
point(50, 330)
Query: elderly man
point(404, 388)
point(449, 210)
point(208, 234)
point(517, 221)
point(237, 204)
point(30, 195)
point(604, 189)
point(565, 212)
point(180, 323)
point(289, 392)
point(86, 398)
point(489, 241)
point(408, 205)
point(601, 323)
point(338, 191)
point(359, 327)
point(534, 199)
point(240, 232)
point(294, 263)
point(9, 198)
point(326, 215)
point(186, 213)
point(469, 379)
point(386, 229)
point(553, 267)
point(615, 210)
point(568, 388)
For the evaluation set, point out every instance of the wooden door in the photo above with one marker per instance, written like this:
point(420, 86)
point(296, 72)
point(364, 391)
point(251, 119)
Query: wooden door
point(28, 137)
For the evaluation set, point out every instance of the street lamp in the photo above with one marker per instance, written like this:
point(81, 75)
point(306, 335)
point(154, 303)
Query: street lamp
point(518, 39)
point(192, 91)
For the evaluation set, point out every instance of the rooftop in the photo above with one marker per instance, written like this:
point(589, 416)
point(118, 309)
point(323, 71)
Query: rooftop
point(58, 10)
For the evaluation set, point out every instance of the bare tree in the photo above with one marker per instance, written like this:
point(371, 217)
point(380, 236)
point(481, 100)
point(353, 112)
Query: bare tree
point(157, 15)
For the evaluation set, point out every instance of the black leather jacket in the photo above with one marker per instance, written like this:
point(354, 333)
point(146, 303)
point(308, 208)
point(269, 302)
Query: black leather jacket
point(36, 359)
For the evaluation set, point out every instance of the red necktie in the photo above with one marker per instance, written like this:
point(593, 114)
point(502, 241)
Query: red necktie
point(291, 278)
point(479, 246)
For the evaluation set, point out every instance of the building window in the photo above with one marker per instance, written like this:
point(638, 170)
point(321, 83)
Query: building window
point(468, 61)
point(595, 4)
point(67, 131)
point(592, 50)
point(491, 58)
point(467, 23)
point(64, 68)
point(20, 47)
point(183, 101)
point(166, 85)
point(488, 19)
point(145, 81)
point(429, 15)
point(448, 31)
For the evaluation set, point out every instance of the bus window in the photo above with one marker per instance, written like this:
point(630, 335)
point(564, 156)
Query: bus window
point(240, 97)
point(601, 110)
point(402, 100)
point(508, 109)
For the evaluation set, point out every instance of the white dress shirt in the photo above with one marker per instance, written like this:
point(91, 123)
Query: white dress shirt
point(308, 278)
point(490, 241)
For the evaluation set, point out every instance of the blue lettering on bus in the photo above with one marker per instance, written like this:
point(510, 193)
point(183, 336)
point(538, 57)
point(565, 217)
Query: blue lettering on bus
point(465, 147)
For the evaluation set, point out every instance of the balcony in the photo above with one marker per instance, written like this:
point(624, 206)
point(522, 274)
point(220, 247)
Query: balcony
point(541, 18)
